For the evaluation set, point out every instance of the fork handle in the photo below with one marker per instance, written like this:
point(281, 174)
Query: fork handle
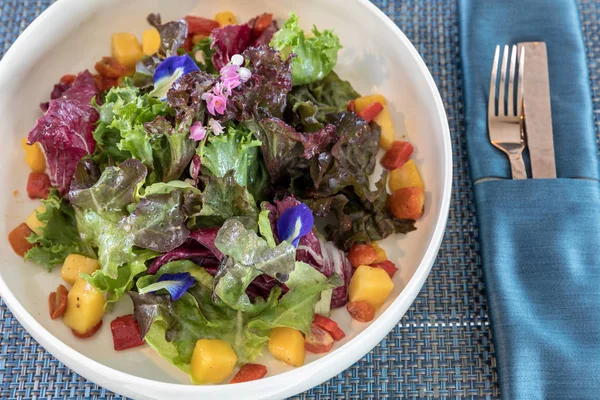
point(517, 165)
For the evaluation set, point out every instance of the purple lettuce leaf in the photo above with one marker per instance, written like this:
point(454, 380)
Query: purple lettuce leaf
point(65, 131)
point(199, 247)
point(322, 255)
point(229, 40)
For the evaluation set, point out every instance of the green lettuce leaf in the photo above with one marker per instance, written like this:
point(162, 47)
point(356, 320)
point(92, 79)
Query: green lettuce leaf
point(224, 198)
point(309, 105)
point(234, 150)
point(315, 56)
point(120, 133)
point(59, 237)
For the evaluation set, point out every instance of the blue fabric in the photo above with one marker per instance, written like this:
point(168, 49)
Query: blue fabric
point(539, 238)
point(487, 23)
point(541, 262)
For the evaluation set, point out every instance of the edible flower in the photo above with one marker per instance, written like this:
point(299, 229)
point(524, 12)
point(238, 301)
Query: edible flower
point(231, 76)
point(168, 71)
point(197, 131)
point(216, 100)
point(215, 126)
point(294, 223)
point(175, 284)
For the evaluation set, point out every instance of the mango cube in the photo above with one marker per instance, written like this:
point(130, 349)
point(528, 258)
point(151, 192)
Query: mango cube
point(287, 345)
point(34, 156)
point(405, 176)
point(33, 222)
point(76, 264)
point(384, 120)
point(213, 361)
point(85, 307)
point(126, 48)
point(363, 102)
point(381, 255)
point(369, 284)
point(225, 18)
point(150, 41)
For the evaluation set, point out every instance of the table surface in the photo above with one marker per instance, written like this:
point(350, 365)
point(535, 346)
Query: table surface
point(442, 347)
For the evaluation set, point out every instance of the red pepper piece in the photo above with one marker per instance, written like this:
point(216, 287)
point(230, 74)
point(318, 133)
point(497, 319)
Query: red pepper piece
point(249, 372)
point(18, 239)
point(38, 185)
point(397, 155)
point(388, 266)
point(370, 112)
point(201, 25)
point(262, 23)
point(319, 340)
point(126, 332)
point(330, 326)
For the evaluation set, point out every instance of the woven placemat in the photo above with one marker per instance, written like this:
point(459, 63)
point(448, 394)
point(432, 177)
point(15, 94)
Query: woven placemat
point(442, 348)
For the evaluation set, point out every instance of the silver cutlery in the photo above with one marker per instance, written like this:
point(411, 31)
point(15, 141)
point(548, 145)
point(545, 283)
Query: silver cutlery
point(505, 118)
point(537, 111)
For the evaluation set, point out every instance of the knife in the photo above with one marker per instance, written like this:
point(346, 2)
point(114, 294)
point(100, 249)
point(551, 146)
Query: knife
point(538, 114)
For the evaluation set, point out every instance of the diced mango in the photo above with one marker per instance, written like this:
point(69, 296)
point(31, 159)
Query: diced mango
point(126, 49)
point(384, 120)
point(85, 307)
point(405, 176)
point(369, 284)
point(363, 102)
point(76, 264)
point(225, 18)
point(287, 345)
point(150, 41)
point(381, 255)
point(34, 156)
point(213, 361)
point(407, 203)
point(33, 222)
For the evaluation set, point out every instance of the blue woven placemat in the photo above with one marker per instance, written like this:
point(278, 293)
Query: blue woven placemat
point(442, 348)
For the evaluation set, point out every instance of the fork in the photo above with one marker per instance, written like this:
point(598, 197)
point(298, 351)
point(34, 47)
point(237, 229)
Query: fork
point(506, 124)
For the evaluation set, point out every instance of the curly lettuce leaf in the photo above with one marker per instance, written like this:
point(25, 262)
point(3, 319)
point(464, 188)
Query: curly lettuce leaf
point(120, 132)
point(59, 236)
point(234, 150)
point(315, 56)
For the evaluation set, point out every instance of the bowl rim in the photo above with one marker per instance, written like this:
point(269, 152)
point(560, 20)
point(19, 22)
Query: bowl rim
point(321, 369)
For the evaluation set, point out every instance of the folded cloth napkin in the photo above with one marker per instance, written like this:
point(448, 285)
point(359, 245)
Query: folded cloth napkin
point(540, 239)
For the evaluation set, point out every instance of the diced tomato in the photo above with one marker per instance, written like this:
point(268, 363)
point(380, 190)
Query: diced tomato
point(370, 112)
point(262, 23)
point(89, 333)
point(57, 302)
point(361, 311)
point(351, 106)
point(319, 340)
point(110, 68)
point(200, 25)
point(397, 155)
point(388, 266)
point(18, 239)
point(126, 333)
point(330, 326)
point(249, 372)
point(67, 79)
point(38, 185)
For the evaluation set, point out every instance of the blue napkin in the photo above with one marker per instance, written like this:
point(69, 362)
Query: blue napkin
point(540, 239)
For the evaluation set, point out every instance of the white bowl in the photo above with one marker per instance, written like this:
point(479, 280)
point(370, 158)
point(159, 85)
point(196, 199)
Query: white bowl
point(377, 58)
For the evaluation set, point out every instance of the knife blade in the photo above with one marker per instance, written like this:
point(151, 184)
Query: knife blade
point(538, 113)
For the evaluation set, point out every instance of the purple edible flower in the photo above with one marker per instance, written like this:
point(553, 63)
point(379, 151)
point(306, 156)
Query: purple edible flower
point(168, 71)
point(175, 284)
point(197, 131)
point(294, 223)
